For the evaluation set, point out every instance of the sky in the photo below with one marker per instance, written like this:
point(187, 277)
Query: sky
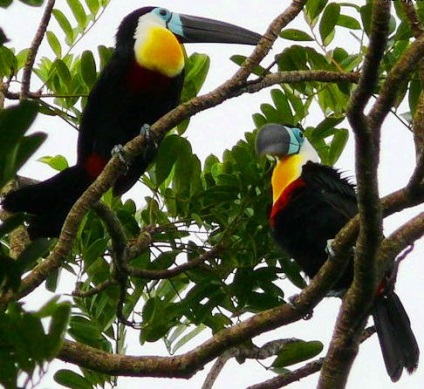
point(397, 161)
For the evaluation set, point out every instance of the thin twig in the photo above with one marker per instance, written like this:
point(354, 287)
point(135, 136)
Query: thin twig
point(32, 52)
point(95, 290)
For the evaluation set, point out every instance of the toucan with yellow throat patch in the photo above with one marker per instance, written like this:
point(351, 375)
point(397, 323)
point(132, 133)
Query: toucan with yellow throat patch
point(311, 204)
point(141, 82)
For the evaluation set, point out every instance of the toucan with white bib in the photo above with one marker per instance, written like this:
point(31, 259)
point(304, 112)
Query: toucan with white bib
point(141, 82)
point(312, 202)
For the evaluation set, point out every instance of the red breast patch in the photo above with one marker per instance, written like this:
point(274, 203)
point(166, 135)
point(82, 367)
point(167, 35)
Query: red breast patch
point(284, 198)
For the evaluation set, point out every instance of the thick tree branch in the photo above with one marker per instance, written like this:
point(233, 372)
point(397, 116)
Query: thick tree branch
point(351, 320)
point(32, 52)
point(399, 240)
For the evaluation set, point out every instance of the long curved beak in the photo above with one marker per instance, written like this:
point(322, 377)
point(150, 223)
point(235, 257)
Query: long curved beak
point(193, 29)
point(278, 140)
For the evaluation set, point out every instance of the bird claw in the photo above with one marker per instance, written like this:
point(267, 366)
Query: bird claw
point(329, 249)
point(292, 303)
point(119, 151)
point(148, 138)
point(331, 253)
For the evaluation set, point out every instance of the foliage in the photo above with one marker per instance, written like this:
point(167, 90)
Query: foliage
point(191, 208)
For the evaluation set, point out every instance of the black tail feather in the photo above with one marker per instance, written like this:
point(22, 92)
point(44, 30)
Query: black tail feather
point(49, 202)
point(397, 341)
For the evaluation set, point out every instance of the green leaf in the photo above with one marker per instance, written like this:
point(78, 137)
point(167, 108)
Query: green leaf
point(283, 107)
point(34, 3)
point(313, 10)
point(328, 22)
point(257, 69)
point(57, 328)
point(8, 62)
point(348, 22)
point(78, 12)
point(63, 72)
point(296, 352)
point(366, 17)
point(54, 43)
point(15, 149)
point(187, 337)
point(168, 152)
point(64, 25)
point(72, 380)
point(93, 6)
point(104, 53)
point(337, 145)
point(295, 35)
point(197, 68)
point(88, 68)
point(58, 162)
point(5, 3)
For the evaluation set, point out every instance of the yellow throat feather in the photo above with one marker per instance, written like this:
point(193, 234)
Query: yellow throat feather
point(157, 49)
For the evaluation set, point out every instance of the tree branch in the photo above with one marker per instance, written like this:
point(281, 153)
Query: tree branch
point(32, 52)
point(304, 371)
point(413, 19)
point(242, 353)
point(351, 319)
point(399, 240)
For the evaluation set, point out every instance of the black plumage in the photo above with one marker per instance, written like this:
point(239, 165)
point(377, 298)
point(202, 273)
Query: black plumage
point(311, 209)
point(141, 83)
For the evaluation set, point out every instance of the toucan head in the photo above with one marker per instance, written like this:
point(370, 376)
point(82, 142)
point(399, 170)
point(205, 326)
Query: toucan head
point(292, 149)
point(279, 140)
point(155, 35)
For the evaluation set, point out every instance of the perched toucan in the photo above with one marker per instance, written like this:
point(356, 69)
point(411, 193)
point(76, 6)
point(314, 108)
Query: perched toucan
point(311, 203)
point(141, 82)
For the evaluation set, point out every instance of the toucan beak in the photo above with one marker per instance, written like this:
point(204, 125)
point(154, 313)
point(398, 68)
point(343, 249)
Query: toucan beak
point(278, 140)
point(193, 29)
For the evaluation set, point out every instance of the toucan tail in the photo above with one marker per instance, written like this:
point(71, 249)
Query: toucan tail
point(49, 202)
point(397, 341)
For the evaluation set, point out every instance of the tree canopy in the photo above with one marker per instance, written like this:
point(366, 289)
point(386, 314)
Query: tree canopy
point(196, 257)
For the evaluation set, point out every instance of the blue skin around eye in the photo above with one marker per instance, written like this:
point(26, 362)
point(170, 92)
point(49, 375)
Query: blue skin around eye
point(172, 20)
point(296, 141)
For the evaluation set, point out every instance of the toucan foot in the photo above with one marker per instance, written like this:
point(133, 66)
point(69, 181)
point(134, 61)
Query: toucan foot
point(148, 138)
point(329, 249)
point(119, 151)
point(293, 304)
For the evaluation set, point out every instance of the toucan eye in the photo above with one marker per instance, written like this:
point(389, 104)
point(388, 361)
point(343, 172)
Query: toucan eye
point(164, 13)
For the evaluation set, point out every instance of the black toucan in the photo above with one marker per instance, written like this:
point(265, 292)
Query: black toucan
point(311, 203)
point(141, 83)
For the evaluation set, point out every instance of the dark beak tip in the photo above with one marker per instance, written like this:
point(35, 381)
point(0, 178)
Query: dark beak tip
point(203, 30)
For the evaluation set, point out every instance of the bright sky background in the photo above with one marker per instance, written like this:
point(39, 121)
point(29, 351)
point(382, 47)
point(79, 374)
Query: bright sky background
point(213, 131)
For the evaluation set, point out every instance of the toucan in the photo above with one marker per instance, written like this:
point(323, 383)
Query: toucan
point(311, 203)
point(141, 82)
